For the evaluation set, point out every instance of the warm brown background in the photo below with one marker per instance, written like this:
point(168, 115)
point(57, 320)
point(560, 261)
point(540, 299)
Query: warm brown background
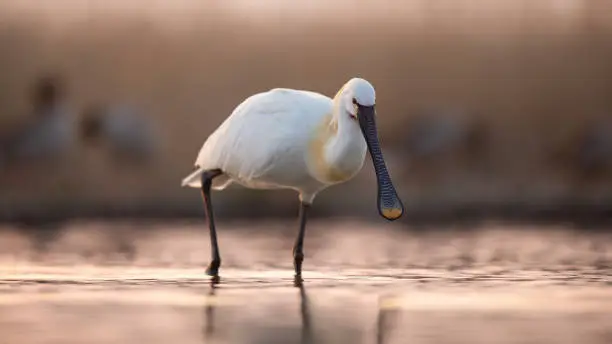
point(531, 76)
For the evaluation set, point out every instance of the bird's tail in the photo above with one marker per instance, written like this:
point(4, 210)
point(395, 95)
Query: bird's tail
point(193, 180)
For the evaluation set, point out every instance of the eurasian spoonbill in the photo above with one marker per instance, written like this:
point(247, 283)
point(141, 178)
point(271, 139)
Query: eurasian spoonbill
point(294, 139)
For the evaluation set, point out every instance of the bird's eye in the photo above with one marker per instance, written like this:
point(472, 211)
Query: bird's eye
point(354, 101)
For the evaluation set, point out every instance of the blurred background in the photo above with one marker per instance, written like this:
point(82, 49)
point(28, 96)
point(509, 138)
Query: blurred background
point(486, 108)
point(495, 119)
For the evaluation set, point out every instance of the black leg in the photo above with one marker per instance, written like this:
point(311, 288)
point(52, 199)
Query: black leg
point(207, 177)
point(298, 248)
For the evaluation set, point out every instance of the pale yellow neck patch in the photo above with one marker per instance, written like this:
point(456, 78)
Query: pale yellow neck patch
point(326, 131)
point(325, 172)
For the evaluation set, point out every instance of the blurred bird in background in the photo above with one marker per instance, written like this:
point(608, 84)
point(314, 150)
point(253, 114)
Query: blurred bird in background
point(594, 153)
point(49, 135)
point(436, 140)
point(33, 156)
point(126, 135)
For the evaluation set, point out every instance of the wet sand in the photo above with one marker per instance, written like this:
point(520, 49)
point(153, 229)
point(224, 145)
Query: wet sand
point(364, 283)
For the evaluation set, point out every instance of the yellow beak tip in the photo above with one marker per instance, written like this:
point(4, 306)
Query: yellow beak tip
point(392, 213)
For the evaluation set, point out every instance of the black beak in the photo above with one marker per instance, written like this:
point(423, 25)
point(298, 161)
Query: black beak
point(389, 205)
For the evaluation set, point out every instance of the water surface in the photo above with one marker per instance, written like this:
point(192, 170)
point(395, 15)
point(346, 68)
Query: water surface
point(363, 283)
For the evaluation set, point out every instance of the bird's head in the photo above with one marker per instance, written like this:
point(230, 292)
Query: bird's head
point(357, 100)
point(47, 92)
point(356, 92)
point(91, 123)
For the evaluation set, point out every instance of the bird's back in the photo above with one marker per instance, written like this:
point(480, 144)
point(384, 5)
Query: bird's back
point(266, 136)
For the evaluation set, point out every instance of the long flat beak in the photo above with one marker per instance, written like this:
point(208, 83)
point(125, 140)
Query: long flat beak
point(389, 204)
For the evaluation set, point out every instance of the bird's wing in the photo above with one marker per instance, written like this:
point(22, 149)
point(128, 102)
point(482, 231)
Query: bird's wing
point(263, 129)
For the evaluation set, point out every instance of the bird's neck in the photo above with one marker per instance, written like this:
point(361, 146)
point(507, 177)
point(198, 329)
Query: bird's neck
point(339, 148)
point(347, 130)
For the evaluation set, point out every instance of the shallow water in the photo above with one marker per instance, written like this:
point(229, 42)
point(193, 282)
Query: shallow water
point(364, 283)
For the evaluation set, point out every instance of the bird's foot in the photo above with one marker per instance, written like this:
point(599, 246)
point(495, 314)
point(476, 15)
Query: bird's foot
point(298, 280)
point(298, 258)
point(213, 268)
point(215, 280)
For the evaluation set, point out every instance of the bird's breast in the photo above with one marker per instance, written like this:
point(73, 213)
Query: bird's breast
point(335, 157)
point(345, 166)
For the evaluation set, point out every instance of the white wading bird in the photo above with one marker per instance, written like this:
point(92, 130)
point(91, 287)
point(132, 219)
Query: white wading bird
point(298, 140)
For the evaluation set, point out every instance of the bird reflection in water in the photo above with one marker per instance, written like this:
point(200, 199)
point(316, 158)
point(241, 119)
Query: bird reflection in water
point(306, 336)
point(209, 310)
point(384, 321)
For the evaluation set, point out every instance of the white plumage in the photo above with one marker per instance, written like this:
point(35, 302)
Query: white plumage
point(294, 139)
point(271, 141)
